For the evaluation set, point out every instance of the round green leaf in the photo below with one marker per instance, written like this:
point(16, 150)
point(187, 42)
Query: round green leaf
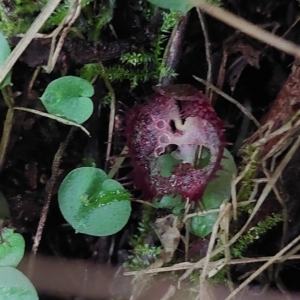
point(4, 53)
point(68, 97)
point(12, 247)
point(219, 189)
point(169, 201)
point(216, 192)
point(180, 5)
point(166, 164)
point(202, 225)
point(14, 285)
point(92, 203)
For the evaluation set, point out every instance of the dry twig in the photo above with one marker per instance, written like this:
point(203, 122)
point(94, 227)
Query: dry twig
point(28, 37)
point(247, 27)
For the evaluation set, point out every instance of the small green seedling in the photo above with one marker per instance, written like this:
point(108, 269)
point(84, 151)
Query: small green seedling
point(92, 203)
point(4, 53)
point(69, 97)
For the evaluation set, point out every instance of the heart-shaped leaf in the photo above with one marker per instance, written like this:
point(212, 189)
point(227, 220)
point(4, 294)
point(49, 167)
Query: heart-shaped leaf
point(69, 97)
point(12, 247)
point(92, 203)
point(216, 192)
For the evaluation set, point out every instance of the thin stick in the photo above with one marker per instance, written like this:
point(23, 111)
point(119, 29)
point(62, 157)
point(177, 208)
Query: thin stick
point(294, 123)
point(221, 74)
point(6, 135)
point(208, 90)
point(247, 27)
point(111, 116)
point(63, 29)
point(263, 267)
point(58, 119)
point(170, 293)
point(8, 123)
point(234, 197)
point(211, 211)
point(118, 163)
point(268, 188)
point(238, 261)
point(247, 168)
point(49, 192)
point(224, 210)
point(33, 78)
point(290, 254)
point(28, 37)
point(230, 99)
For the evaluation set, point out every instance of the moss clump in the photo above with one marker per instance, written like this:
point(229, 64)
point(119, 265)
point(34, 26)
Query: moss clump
point(17, 16)
point(142, 257)
point(253, 234)
point(139, 66)
point(249, 157)
point(143, 254)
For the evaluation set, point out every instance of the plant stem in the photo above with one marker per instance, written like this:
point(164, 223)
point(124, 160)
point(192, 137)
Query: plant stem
point(111, 115)
point(9, 100)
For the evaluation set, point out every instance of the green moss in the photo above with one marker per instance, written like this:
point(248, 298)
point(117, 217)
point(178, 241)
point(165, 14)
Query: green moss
point(246, 189)
point(143, 254)
point(142, 257)
point(254, 234)
point(17, 16)
point(247, 183)
point(140, 66)
point(144, 227)
point(98, 18)
point(220, 277)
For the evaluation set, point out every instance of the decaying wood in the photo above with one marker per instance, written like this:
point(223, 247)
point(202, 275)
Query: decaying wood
point(282, 111)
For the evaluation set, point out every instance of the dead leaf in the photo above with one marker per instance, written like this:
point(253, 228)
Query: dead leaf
point(168, 231)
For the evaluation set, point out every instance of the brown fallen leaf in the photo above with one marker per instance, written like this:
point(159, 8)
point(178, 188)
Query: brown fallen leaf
point(168, 231)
